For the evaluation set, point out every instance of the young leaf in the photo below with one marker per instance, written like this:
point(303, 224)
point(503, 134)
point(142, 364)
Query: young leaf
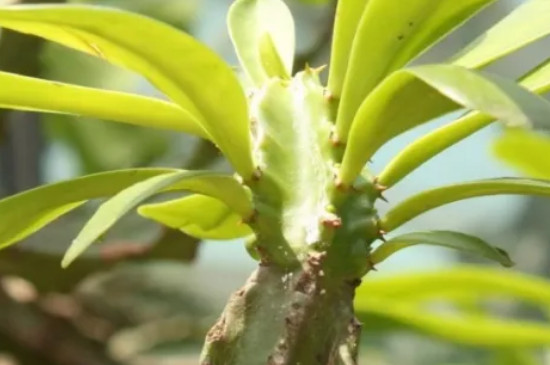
point(525, 25)
point(27, 212)
point(439, 89)
point(430, 199)
point(199, 216)
point(529, 152)
point(454, 240)
point(27, 93)
point(186, 71)
point(348, 15)
point(388, 39)
point(270, 59)
point(219, 186)
point(428, 146)
point(251, 24)
point(472, 330)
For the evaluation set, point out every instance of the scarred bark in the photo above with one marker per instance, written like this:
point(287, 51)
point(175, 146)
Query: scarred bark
point(285, 317)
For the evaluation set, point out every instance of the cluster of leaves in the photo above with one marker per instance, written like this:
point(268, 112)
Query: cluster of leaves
point(375, 96)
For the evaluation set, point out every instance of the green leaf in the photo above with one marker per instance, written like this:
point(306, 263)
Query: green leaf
point(538, 79)
point(27, 93)
point(454, 240)
point(472, 330)
point(528, 152)
point(188, 72)
point(269, 57)
point(439, 89)
point(252, 23)
point(428, 146)
point(480, 282)
point(27, 212)
point(199, 216)
point(430, 199)
point(388, 39)
point(525, 25)
point(219, 186)
point(399, 300)
point(348, 15)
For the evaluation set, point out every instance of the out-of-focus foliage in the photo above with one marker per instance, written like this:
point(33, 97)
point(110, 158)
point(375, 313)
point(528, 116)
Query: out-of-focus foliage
point(458, 305)
point(528, 152)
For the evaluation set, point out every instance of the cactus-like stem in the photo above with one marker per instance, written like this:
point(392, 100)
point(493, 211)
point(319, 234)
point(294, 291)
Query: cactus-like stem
point(287, 318)
point(313, 240)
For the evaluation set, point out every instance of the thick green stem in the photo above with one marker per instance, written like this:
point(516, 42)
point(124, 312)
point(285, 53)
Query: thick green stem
point(287, 318)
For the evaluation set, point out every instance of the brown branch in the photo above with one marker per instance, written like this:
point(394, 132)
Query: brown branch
point(49, 337)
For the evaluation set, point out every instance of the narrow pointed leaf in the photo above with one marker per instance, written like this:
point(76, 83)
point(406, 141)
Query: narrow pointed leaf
point(525, 25)
point(348, 15)
point(428, 146)
point(455, 240)
point(439, 89)
point(27, 93)
point(430, 199)
point(480, 282)
point(250, 23)
point(219, 186)
point(390, 34)
point(528, 152)
point(424, 148)
point(27, 212)
point(199, 216)
point(174, 62)
point(472, 330)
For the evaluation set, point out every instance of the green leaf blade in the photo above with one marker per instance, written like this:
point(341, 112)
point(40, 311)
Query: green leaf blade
point(27, 212)
point(215, 185)
point(525, 25)
point(526, 151)
point(440, 89)
point(199, 216)
point(455, 240)
point(148, 47)
point(250, 22)
point(431, 199)
point(473, 330)
point(348, 15)
point(31, 94)
point(429, 145)
point(387, 40)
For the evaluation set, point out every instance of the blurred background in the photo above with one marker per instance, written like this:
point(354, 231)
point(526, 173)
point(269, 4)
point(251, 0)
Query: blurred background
point(146, 295)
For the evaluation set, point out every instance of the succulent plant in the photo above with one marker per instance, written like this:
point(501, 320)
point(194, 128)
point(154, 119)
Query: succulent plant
point(301, 190)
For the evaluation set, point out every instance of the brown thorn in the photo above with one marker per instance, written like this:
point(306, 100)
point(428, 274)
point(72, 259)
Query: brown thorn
point(382, 235)
point(332, 222)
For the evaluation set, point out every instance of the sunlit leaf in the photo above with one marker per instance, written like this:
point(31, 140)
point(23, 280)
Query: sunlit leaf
point(525, 25)
point(528, 152)
point(173, 61)
point(424, 148)
point(25, 213)
point(255, 25)
point(27, 93)
point(198, 216)
point(348, 15)
point(439, 89)
point(455, 240)
point(390, 34)
point(430, 199)
point(219, 186)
